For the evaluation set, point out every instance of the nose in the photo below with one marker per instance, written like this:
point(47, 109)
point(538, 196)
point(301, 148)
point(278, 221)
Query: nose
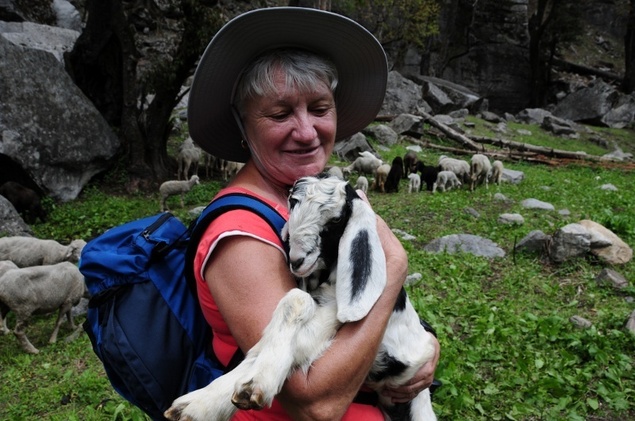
point(295, 264)
point(304, 129)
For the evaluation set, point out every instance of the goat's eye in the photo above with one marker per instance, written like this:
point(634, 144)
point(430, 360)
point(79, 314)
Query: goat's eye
point(336, 220)
point(292, 203)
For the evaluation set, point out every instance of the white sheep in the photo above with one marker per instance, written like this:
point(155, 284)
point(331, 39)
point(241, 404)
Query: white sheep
point(189, 154)
point(334, 288)
point(362, 184)
point(31, 251)
point(458, 166)
point(230, 168)
point(446, 180)
point(366, 163)
point(40, 290)
point(479, 170)
point(336, 171)
point(496, 174)
point(381, 175)
point(174, 187)
point(5, 265)
point(414, 182)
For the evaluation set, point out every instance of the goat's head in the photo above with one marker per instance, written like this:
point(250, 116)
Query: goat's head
point(332, 230)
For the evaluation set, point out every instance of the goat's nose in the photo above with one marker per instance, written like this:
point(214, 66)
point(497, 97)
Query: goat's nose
point(295, 264)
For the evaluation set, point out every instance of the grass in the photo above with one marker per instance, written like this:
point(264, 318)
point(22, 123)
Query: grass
point(508, 348)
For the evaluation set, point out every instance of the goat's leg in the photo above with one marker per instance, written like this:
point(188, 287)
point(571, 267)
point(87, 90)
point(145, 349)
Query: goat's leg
point(20, 335)
point(66, 308)
point(271, 358)
point(277, 352)
point(182, 200)
point(4, 310)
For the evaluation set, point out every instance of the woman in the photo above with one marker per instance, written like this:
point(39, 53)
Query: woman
point(275, 89)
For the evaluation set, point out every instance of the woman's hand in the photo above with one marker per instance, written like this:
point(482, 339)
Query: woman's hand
point(421, 381)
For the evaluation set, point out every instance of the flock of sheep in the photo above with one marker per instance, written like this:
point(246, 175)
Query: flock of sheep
point(189, 157)
point(449, 173)
point(38, 277)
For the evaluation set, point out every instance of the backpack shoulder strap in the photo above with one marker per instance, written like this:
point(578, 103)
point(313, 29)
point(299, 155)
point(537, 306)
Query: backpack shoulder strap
point(219, 206)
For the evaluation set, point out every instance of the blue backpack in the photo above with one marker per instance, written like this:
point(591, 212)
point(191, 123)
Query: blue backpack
point(144, 319)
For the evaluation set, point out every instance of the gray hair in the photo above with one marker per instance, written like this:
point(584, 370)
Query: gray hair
point(303, 70)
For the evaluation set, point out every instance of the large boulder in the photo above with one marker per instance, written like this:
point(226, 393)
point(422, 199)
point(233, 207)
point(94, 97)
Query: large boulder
point(48, 126)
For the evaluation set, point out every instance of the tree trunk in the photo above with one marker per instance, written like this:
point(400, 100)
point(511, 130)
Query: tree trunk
point(628, 84)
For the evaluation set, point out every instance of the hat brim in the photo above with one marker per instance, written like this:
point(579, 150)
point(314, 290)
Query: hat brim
point(359, 58)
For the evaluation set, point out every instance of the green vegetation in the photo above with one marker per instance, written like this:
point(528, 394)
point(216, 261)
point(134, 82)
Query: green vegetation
point(509, 350)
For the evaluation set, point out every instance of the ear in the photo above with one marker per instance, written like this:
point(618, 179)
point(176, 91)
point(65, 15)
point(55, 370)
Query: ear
point(361, 264)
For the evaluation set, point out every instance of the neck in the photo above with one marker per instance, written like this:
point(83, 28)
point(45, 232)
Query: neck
point(252, 179)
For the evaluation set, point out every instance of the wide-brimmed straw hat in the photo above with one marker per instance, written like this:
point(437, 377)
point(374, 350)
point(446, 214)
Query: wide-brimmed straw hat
point(359, 58)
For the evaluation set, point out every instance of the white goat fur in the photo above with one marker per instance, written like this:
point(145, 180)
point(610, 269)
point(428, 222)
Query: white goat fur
point(446, 180)
point(496, 174)
point(174, 187)
point(40, 290)
point(414, 182)
point(479, 171)
point(31, 251)
point(458, 166)
point(301, 329)
point(362, 184)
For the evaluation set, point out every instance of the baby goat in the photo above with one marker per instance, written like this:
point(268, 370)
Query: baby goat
point(336, 255)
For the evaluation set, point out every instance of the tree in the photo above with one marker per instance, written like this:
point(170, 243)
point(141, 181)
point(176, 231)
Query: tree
point(134, 87)
point(552, 25)
point(629, 52)
point(398, 23)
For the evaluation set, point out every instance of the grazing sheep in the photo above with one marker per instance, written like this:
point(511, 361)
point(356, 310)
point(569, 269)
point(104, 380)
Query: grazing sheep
point(496, 174)
point(381, 174)
point(446, 180)
point(479, 171)
point(458, 166)
point(414, 182)
point(366, 163)
point(334, 288)
point(410, 160)
point(394, 176)
point(40, 290)
point(230, 168)
point(25, 201)
point(174, 187)
point(189, 155)
point(337, 172)
point(5, 265)
point(428, 174)
point(30, 251)
point(362, 184)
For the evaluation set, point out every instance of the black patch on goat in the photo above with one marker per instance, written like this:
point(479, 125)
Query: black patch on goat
point(392, 367)
point(362, 265)
point(400, 304)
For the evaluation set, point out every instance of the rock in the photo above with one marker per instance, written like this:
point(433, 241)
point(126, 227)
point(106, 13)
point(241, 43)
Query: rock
point(405, 122)
point(535, 242)
point(513, 176)
point(465, 243)
point(511, 218)
point(617, 253)
point(348, 150)
point(609, 187)
point(572, 240)
point(536, 204)
point(580, 322)
point(611, 277)
point(630, 324)
point(383, 133)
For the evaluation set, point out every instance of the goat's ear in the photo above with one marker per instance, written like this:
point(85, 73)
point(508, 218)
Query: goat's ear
point(361, 265)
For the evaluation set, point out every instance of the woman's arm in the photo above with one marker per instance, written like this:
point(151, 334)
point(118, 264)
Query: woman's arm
point(248, 278)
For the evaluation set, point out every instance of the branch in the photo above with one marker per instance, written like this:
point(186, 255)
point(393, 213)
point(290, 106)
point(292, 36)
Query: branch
point(451, 133)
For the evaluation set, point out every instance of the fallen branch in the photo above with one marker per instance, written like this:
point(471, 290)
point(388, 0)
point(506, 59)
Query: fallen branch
point(451, 133)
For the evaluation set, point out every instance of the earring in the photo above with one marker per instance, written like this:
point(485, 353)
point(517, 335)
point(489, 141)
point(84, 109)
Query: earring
point(243, 144)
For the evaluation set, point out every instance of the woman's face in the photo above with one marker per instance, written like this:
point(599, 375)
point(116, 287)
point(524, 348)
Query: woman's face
point(291, 134)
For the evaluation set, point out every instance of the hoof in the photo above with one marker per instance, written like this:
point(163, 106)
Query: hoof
point(248, 397)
